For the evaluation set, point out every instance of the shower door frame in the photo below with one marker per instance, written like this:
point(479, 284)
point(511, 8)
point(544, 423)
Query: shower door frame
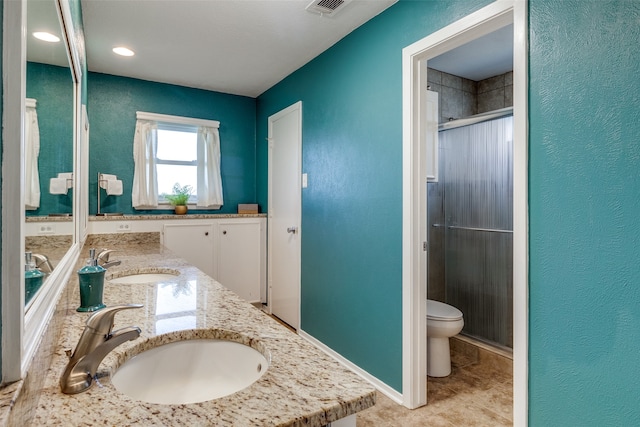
point(414, 268)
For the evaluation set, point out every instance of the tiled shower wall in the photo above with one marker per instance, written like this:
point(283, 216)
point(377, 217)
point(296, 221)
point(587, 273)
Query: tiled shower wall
point(495, 93)
point(460, 97)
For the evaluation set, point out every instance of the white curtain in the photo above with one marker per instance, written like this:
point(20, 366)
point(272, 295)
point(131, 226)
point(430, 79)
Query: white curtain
point(31, 153)
point(145, 185)
point(209, 178)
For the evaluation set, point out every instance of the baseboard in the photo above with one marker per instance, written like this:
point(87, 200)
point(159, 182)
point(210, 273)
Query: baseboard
point(379, 385)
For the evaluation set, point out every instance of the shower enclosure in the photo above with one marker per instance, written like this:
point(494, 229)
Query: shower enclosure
point(470, 225)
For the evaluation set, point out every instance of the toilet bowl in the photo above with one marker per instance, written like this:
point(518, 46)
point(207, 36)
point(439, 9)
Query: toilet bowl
point(443, 322)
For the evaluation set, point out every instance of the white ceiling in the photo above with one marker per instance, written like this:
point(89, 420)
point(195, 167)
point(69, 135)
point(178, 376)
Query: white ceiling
point(241, 47)
point(479, 59)
point(42, 16)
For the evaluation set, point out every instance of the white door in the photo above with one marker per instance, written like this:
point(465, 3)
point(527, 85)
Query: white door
point(285, 159)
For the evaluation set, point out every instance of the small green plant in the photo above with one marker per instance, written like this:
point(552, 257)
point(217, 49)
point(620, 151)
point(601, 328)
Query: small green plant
point(180, 194)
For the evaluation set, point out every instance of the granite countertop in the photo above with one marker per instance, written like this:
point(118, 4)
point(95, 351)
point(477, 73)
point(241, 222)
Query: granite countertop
point(302, 387)
point(171, 216)
point(47, 218)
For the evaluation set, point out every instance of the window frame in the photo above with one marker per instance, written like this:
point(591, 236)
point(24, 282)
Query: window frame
point(170, 122)
point(175, 127)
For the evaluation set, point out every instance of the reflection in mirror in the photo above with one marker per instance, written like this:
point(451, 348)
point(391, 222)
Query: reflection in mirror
point(48, 144)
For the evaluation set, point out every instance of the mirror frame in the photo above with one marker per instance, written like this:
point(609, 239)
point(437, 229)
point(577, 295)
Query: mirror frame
point(22, 332)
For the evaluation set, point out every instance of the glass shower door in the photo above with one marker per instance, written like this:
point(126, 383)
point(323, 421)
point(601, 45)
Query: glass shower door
point(477, 166)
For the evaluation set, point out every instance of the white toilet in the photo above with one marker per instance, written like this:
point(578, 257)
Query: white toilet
point(443, 321)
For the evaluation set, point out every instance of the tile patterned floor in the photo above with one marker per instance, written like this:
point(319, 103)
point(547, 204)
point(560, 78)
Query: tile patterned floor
point(478, 393)
point(475, 394)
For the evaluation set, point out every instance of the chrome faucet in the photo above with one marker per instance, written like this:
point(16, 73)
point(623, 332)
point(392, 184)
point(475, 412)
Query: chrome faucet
point(103, 259)
point(96, 342)
point(43, 263)
point(103, 255)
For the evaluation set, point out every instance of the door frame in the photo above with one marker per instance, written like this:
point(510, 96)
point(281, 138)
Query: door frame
point(274, 117)
point(414, 233)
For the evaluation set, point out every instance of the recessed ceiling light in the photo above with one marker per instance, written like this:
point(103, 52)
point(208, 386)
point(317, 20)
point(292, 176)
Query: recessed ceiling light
point(123, 51)
point(47, 37)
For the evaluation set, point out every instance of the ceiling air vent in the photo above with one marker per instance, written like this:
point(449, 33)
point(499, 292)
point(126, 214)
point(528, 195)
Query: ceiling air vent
point(327, 7)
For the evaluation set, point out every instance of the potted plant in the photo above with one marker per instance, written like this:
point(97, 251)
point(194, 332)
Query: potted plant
point(179, 198)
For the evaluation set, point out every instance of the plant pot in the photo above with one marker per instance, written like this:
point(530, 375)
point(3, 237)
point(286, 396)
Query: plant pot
point(181, 209)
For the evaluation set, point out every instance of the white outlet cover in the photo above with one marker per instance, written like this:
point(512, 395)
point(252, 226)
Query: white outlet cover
point(46, 229)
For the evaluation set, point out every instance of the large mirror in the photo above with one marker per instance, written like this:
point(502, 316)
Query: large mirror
point(49, 146)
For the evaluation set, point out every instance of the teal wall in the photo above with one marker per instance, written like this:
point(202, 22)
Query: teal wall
point(584, 181)
point(113, 102)
point(52, 87)
point(584, 199)
point(352, 209)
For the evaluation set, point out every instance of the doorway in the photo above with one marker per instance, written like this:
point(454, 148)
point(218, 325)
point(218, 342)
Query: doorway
point(284, 216)
point(418, 164)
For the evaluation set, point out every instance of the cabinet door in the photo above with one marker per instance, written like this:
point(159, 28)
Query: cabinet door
point(194, 243)
point(239, 258)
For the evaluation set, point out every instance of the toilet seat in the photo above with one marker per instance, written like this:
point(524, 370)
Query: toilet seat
point(443, 312)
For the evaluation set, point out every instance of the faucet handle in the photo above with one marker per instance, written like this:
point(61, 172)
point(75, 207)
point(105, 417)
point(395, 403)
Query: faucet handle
point(103, 255)
point(102, 321)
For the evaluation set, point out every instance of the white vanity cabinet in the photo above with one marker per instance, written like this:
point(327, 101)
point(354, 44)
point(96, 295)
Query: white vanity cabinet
point(231, 250)
point(193, 242)
point(239, 258)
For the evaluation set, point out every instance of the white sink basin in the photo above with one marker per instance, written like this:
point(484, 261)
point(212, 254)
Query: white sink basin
point(190, 371)
point(144, 278)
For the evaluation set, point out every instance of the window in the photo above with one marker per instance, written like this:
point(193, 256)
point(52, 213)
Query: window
point(170, 149)
point(177, 159)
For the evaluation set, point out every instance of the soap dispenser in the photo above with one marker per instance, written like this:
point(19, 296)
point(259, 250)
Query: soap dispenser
point(32, 277)
point(91, 279)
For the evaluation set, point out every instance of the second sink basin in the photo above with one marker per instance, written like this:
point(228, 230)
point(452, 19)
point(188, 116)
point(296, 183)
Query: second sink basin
point(190, 371)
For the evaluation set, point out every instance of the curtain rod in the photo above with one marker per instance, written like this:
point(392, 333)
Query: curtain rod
point(141, 115)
